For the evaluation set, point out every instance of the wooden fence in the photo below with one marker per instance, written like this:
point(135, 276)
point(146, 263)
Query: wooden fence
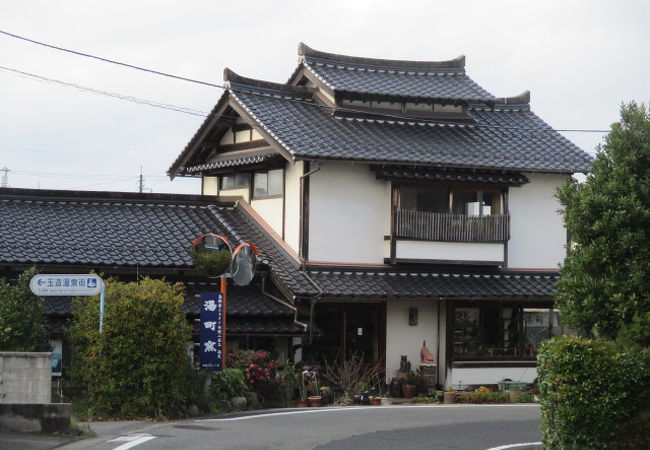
point(430, 226)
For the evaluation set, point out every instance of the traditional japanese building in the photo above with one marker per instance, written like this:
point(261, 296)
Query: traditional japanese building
point(406, 204)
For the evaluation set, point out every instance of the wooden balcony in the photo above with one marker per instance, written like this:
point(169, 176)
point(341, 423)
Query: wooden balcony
point(442, 227)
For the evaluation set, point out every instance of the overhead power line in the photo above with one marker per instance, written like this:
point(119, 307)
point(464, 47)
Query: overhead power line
point(205, 83)
point(112, 61)
point(119, 96)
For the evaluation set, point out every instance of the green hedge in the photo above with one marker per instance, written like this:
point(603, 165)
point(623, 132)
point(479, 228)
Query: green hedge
point(589, 392)
point(139, 366)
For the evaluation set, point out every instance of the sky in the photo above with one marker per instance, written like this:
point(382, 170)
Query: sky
point(579, 59)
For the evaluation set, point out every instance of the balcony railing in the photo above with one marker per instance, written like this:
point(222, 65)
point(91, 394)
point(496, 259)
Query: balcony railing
point(442, 227)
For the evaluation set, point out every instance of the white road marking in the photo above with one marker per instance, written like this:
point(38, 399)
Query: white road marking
point(524, 444)
point(351, 408)
point(132, 440)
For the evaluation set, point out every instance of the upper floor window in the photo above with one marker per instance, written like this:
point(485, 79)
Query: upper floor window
point(458, 201)
point(235, 181)
point(268, 184)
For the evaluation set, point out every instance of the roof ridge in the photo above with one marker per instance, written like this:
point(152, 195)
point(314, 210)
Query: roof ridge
point(304, 51)
point(60, 195)
point(231, 78)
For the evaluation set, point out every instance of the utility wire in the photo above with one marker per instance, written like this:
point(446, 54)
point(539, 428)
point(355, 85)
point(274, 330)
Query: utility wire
point(112, 61)
point(337, 109)
point(116, 95)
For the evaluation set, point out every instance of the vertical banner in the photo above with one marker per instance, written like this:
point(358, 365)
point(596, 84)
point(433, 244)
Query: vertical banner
point(211, 330)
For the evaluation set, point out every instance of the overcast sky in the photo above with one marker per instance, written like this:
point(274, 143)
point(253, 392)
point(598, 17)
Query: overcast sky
point(579, 59)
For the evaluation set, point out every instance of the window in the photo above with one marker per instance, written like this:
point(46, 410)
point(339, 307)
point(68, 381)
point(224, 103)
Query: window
point(463, 201)
point(235, 181)
point(268, 184)
point(500, 332)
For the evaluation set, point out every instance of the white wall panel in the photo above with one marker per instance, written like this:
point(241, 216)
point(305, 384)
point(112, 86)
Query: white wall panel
point(349, 214)
point(456, 251)
point(292, 204)
point(210, 185)
point(271, 211)
point(489, 375)
point(537, 233)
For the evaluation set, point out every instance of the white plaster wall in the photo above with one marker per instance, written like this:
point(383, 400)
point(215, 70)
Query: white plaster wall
point(210, 185)
point(459, 251)
point(243, 192)
point(292, 175)
point(349, 214)
point(537, 233)
point(489, 375)
point(405, 339)
point(271, 211)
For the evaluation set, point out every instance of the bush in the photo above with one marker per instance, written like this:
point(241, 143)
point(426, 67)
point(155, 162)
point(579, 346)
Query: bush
point(227, 384)
point(259, 369)
point(22, 323)
point(588, 391)
point(139, 365)
point(483, 395)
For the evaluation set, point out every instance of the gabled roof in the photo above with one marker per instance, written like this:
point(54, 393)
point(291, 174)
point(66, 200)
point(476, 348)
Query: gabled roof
point(385, 78)
point(504, 137)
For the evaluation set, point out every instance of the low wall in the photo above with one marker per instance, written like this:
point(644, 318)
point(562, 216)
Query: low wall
point(25, 377)
point(30, 418)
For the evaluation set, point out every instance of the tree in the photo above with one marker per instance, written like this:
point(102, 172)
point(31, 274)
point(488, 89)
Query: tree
point(138, 366)
point(605, 279)
point(22, 323)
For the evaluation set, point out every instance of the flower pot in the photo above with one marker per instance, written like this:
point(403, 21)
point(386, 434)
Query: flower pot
point(409, 390)
point(314, 400)
point(450, 398)
point(376, 401)
point(302, 404)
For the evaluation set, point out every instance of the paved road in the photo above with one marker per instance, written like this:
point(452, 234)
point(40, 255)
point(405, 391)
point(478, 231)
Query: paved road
point(376, 428)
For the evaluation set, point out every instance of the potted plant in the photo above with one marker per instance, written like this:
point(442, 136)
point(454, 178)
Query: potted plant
point(450, 396)
point(410, 388)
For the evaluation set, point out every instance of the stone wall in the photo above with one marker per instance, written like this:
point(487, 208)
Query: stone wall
point(25, 377)
point(30, 418)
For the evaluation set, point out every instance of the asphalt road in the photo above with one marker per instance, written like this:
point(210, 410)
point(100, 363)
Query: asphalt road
point(377, 428)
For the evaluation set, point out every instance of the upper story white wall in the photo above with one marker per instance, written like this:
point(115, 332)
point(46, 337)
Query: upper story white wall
point(537, 234)
point(292, 176)
point(349, 214)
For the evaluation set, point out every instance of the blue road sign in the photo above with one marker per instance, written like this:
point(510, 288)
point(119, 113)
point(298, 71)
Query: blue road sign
point(211, 331)
point(67, 285)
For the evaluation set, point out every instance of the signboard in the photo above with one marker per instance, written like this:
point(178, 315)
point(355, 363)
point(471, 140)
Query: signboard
point(211, 330)
point(66, 285)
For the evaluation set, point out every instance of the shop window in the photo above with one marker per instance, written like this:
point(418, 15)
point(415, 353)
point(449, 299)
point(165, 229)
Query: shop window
point(498, 332)
point(268, 184)
point(235, 181)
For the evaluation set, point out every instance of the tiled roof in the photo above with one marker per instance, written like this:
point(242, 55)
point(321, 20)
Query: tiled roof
point(231, 159)
point(248, 311)
point(68, 227)
point(359, 284)
point(392, 78)
point(443, 175)
point(507, 137)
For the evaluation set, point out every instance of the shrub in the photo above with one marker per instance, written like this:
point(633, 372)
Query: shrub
point(138, 366)
point(22, 323)
point(352, 374)
point(227, 384)
point(482, 396)
point(259, 369)
point(588, 391)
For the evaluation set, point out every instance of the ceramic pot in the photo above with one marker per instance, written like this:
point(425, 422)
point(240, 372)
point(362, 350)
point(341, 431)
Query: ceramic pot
point(314, 400)
point(376, 401)
point(450, 397)
point(409, 390)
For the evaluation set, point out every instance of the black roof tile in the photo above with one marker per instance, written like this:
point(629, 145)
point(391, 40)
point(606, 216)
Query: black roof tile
point(506, 137)
point(359, 284)
point(442, 175)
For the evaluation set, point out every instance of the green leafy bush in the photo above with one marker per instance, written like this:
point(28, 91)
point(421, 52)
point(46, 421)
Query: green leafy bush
point(588, 390)
point(22, 323)
point(211, 264)
point(259, 369)
point(227, 384)
point(483, 396)
point(138, 366)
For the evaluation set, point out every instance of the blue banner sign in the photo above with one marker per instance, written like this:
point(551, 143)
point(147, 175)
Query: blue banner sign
point(68, 285)
point(211, 330)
